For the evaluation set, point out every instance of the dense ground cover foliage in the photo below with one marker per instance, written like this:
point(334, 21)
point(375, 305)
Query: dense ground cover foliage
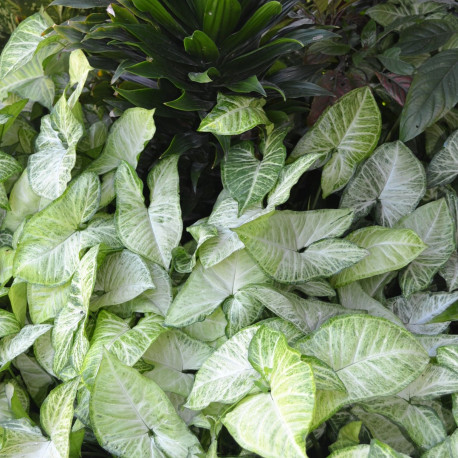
point(229, 228)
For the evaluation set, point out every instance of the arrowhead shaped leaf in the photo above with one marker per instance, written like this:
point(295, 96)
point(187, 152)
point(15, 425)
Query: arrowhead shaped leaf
point(392, 180)
point(227, 375)
point(127, 138)
point(418, 310)
point(50, 167)
point(46, 302)
point(249, 179)
point(284, 415)
point(421, 423)
point(233, 115)
point(144, 423)
point(23, 42)
point(357, 345)
point(56, 415)
point(205, 289)
point(434, 224)
point(49, 246)
point(349, 130)
point(122, 277)
point(443, 168)
point(389, 249)
point(445, 449)
point(276, 242)
point(156, 231)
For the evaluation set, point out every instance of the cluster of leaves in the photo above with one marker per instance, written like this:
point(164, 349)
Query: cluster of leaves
point(281, 323)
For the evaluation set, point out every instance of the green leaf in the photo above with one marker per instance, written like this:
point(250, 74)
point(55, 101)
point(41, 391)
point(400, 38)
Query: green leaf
point(15, 344)
point(248, 179)
point(79, 69)
point(434, 382)
point(56, 415)
point(434, 225)
point(23, 42)
point(448, 356)
point(45, 302)
point(433, 92)
point(348, 436)
point(114, 334)
point(425, 37)
point(8, 324)
point(445, 449)
point(127, 138)
point(325, 377)
point(227, 375)
point(30, 82)
point(288, 177)
point(207, 288)
point(306, 314)
point(353, 296)
point(392, 181)
point(421, 423)
point(233, 115)
point(389, 249)
point(419, 310)
point(250, 84)
point(11, 112)
point(284, 415)
point(49, 246)
point(173, 355)
point(122, 277)
point(156, 231)
point(276, 241)
point(220, 18)
point(153, 426)
point(160, 14)
point(391, 59)
point(200, 45)
point(73, 316)
point(50, 167)
point(443, 168)
point(372, 356)
point(349, 131)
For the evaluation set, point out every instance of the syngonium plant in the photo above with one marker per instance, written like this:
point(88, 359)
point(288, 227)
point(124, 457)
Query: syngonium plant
point(273, 332)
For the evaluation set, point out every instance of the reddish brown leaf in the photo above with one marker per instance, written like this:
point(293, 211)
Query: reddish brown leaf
point(396, 86)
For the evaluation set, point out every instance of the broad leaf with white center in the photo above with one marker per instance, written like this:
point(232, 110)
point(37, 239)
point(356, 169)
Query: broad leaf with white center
point(173, 353)
point(434, 224)
point(389, 249)
point(357, 345)
point(155, 231)
point(421, 423)
point(114, 334)
point(443, 168)
point(434, 382)
point(249, 179)
point(50, 167)
point(49, 246)
point(15, 344)
point(352, 296)
point(144, 422)
point(23, 42)
point(227, 375)
point(448, 356)
point(241, 310)
point(418, 310)
point(446, 449)
point(349, 131)
point(45, 302)
point(285, 414)
point(56, 415)
point(306, 314)
point(73, 316)
point(205, 289)
point(289, 176)
point(449, 272)
point(325, 377)
point(233, 115)
point(392, 181)
point(79, 68)
point(121, 277)
point(127, 138)
point(277, 241)
point(8, 323)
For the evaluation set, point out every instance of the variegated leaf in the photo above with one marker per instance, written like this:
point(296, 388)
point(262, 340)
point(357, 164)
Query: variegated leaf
point(392, 181)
